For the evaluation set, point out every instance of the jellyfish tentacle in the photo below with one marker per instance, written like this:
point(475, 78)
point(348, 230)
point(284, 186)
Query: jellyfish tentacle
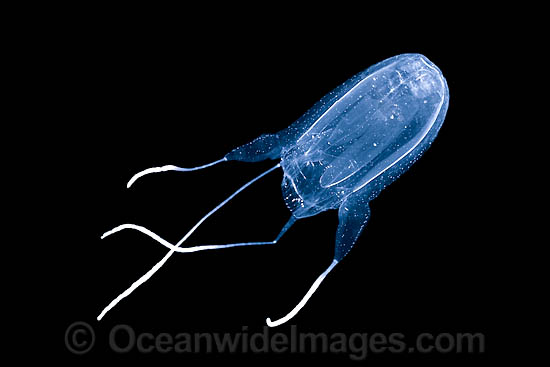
point(304, 300)
point(157, 266)
point(170, 167)
point(266, 146)
point(353, 215)
point(170, 246)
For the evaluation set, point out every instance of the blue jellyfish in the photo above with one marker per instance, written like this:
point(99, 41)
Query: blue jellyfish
point(340, 154)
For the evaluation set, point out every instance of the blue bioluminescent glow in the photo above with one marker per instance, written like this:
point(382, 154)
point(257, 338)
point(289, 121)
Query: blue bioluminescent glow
point(339, 155)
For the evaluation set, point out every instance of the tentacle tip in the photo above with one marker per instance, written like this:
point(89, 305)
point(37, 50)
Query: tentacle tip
point(131, 182)
point(106, 234)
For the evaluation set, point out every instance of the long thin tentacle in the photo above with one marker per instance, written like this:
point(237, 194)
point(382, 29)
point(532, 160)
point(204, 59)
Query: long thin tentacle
point(157, 266)
point(167, 244)
point(304, 300)
point(170, 168)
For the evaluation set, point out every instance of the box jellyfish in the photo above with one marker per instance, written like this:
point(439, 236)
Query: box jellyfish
point(339, 155)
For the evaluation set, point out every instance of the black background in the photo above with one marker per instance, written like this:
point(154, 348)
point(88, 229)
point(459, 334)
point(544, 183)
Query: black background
point(124, 98)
